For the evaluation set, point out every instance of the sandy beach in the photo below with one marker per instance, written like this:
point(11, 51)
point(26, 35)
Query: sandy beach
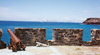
point(55, 50)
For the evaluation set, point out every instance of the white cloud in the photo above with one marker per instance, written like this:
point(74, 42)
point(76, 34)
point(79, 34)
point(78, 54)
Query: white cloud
point(8, 14)
point(86, 11)
point(62, 19)
point(12, 15)
point(3, 11)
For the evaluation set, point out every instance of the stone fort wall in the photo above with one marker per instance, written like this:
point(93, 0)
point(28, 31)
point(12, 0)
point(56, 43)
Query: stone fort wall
point(29, 36)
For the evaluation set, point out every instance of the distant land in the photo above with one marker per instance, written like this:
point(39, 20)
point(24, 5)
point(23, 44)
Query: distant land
point(94, 21)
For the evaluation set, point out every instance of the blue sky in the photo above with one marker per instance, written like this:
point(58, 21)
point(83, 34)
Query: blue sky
point(49, 10)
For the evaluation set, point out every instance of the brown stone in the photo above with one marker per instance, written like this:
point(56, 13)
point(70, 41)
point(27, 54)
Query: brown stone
point(2, 44)
point(85, 43)
point(67, 37)
point(95, 21)
point(95, 39)
point(1, 33)
point(29, 36)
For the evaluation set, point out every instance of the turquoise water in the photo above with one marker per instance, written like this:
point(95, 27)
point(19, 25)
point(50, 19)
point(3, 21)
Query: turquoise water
point(48, 25)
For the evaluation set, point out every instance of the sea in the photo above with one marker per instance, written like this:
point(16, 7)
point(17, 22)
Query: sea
point(4, 25)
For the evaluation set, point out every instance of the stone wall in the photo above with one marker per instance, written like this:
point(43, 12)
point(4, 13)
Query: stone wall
point(2, 44)
point(67, 37)
point(86, 43)
point(1, 33)
point(29, 36)
point(95, 36)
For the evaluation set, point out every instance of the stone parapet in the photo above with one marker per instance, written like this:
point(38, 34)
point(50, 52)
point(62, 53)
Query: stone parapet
point(95, 36)
point(29, 36)
point(67, 37)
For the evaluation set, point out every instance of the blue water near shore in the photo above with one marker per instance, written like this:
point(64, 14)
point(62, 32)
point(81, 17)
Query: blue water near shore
point(48, 25)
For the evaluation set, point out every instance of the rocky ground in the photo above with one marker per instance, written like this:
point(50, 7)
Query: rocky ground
point(55, 50)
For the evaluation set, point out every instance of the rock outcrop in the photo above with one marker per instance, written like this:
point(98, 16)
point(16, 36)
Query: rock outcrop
point(2, 44)
point(29, 36)
point(95, 39)
point(95, 21)
point(67, 37)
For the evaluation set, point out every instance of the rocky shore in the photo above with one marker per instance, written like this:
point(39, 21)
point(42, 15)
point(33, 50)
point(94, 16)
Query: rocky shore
point(95, 21)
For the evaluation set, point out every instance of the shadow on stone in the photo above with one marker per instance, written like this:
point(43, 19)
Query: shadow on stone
point(2, 44)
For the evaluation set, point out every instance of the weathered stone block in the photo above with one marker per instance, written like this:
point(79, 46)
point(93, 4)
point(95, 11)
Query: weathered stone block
point(95, 36)
point(67, 36)
point(1, 33)
point(29, 36)
point(2, 44)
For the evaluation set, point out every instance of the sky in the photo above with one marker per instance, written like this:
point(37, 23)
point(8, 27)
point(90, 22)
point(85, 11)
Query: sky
point(49, 10)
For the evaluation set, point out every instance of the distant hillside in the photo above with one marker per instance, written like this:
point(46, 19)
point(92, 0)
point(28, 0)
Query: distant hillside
point(95, 21)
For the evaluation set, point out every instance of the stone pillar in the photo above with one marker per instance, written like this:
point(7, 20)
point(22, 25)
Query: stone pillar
point(2, 44)
point(95, 36)
point(29, 36)
point(67, 36)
